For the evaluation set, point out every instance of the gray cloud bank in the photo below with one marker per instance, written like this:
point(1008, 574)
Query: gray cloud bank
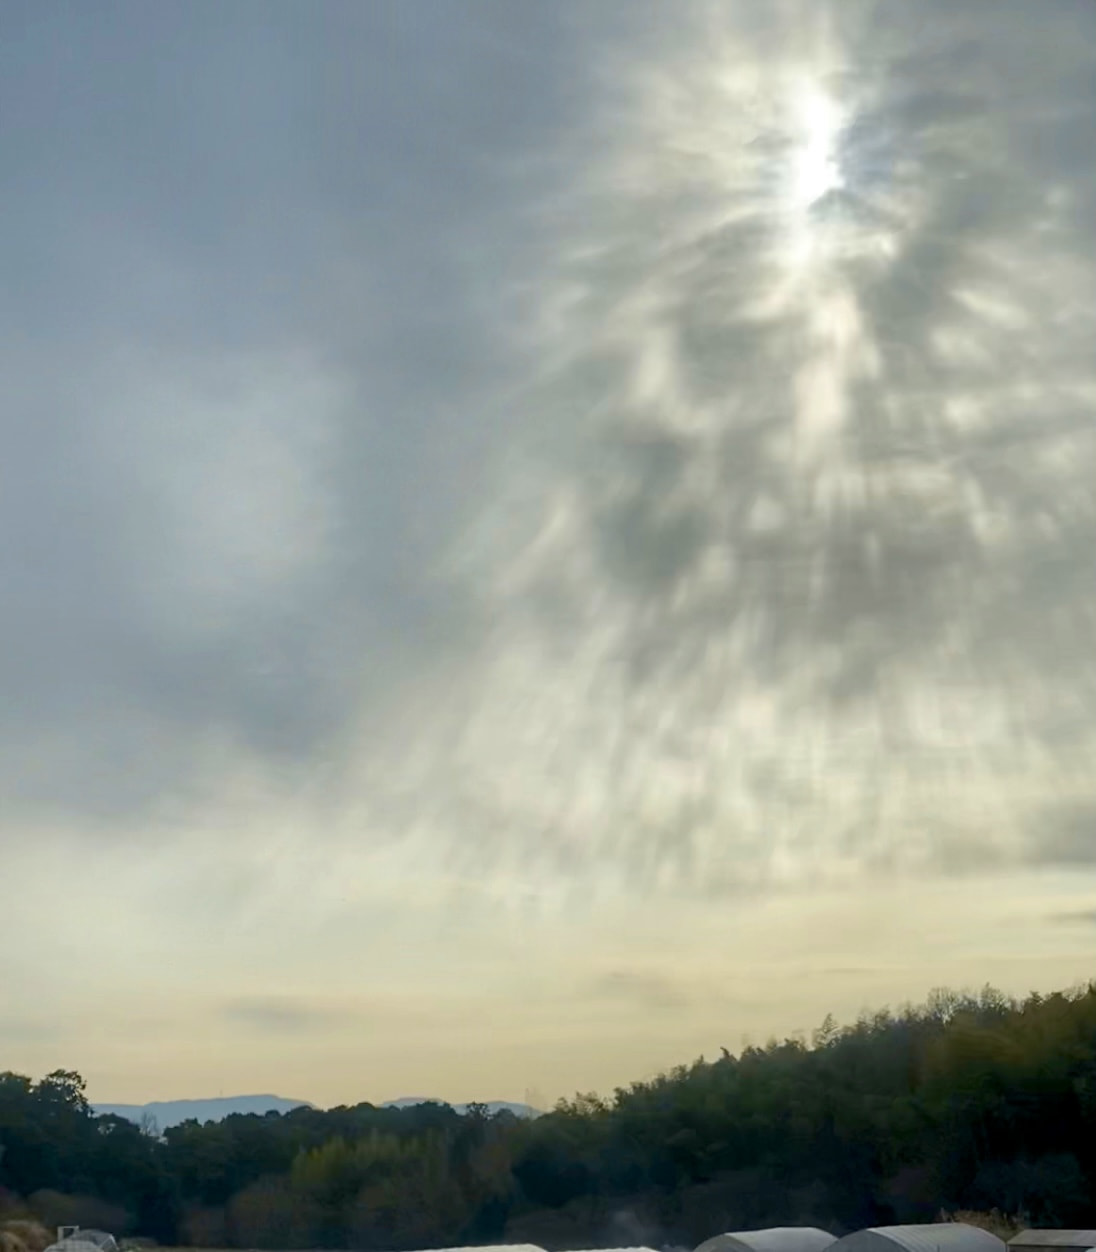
point(466, 412)
point(246, 316)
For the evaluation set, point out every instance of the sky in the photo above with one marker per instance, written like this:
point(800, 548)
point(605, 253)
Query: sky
point(537, 541)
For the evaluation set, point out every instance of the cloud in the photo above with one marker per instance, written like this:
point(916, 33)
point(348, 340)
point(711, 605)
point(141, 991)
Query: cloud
point(1066, 835)
point(527, 462)
point(1076, 918)
point(796, 584)
point(740, 535)
point(235, 437)
point(279, 1016)
point(650, 990)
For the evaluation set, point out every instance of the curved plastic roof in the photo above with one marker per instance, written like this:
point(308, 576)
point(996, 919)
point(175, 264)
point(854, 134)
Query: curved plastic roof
point(1054, 1239)
point(636, 1249)
point(83, 1240)
point(773, 1239)
point(496, 1247)
point(943, 1237)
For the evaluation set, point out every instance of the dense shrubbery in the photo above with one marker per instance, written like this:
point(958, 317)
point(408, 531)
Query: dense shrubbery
point(968, 1102)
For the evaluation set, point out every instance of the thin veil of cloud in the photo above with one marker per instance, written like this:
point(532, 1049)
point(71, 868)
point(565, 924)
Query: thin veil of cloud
point(786, 575)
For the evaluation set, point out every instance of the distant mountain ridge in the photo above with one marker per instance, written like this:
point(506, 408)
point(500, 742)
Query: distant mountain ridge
point(167, 1113)
point(173, 1112)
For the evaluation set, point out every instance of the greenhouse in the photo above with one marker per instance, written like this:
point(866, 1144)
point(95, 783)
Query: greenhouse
point(1053, 1241)
point(85, 1241)
point(632, 1249)
point(499, 1247)
point(942, 1237)
point(773, 1239)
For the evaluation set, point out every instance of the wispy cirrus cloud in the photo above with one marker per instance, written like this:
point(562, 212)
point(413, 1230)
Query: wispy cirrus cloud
point(786, 574)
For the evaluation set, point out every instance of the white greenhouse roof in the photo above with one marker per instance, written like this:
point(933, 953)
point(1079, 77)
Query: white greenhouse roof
point(941, 1237)
point(494, 1247)
point(1054, 1239)
point(772, 1239)
point(635, 1249)
point(83, 1240)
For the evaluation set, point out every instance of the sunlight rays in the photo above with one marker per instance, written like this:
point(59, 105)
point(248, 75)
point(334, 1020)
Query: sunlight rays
point(743, 625)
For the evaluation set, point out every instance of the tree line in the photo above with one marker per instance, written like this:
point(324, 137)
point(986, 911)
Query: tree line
point(969, 1101)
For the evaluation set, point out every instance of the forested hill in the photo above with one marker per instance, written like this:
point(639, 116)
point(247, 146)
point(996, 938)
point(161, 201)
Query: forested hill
point(966, 1102)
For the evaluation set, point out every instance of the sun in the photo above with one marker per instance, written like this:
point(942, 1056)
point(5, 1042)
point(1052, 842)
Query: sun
point(815, 168)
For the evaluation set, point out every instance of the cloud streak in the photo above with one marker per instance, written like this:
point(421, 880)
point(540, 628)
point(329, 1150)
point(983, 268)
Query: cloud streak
point(278, 1016)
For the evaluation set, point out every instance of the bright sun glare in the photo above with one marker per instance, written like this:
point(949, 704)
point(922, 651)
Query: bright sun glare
point(815, 169)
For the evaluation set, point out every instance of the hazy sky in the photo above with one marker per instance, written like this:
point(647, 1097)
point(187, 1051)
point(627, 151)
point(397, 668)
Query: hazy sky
point(537, 540)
